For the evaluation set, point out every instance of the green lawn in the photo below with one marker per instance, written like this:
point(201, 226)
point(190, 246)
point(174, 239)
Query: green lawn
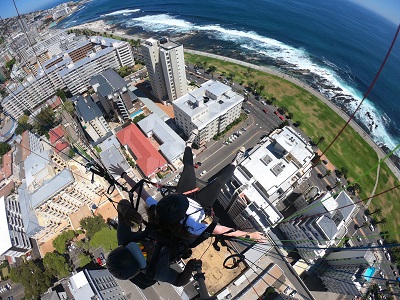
point(317, 119)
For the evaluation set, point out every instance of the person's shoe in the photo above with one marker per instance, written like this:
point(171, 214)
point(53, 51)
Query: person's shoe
point(192, 137)
point(239, 155)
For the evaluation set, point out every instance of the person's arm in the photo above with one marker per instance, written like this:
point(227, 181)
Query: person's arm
point(118, 170)
point(257, 236)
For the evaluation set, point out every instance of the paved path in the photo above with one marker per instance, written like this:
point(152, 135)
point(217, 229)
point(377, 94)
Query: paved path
point(308, 88)
point(376, 184)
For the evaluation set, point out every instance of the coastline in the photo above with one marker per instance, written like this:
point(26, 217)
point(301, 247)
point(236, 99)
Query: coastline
point(101, 26)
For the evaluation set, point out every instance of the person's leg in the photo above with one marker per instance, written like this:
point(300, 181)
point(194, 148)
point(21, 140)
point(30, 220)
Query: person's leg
point(124, 232)
point(187, 181)
point(209, 193)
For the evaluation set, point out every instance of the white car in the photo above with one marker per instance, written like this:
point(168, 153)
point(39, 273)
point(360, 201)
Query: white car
point(365, 218)
point(372, 227)
point(203, 172)
point(387, 256)
point(380, 242)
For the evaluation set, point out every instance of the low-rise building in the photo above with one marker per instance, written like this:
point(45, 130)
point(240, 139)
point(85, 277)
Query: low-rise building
point(95, 284)
point(91, 118)
point(210, 109)
point(172, 145)
point(147, 158)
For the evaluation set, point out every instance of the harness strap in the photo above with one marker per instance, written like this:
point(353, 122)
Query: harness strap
point(205, 234)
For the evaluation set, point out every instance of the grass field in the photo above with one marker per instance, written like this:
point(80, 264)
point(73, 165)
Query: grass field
point(350, 150)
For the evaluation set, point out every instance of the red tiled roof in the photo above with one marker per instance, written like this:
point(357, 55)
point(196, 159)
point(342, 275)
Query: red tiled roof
point(60, 146)
point(6, 190)
point(56, 134)
point(7, 161)
point(148, 159)
point(54, 102)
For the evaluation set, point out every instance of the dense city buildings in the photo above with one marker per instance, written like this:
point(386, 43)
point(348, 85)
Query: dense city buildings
point(266, 177)
point(70, 70)
point(210, 109)
point(165, 64)
point(14, 241)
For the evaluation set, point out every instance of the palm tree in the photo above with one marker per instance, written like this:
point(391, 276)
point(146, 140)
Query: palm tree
point(382, 221)
point(327, 173)
point(204, 65)
point(231, 75)
point(212, 70)
point(320, 139)
point(377, 211)
point(256, 85)
point(260, 89)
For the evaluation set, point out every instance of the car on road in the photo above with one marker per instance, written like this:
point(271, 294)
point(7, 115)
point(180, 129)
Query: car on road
point(277, 113)
point(292, 294)
point(365, 218)
point(388, 257)
point(264, 110)
point(381, 274)
point(203, 172)
point(359, 238)
point(282, 118)
point(394, 273)
point(371, 227)
point(247, 111)
point(380, 242)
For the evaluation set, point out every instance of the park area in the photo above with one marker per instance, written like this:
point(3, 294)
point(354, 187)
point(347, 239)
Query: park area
point(349, 151)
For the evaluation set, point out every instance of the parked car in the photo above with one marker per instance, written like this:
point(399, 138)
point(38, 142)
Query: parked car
point(388, 257)
point(292, 294)
point(101, 262)
point(264, 110)
point(282, 118)
point(288, 290)
point(359, 238)
point(380, 242)
point(203, 172)
point(365, 218)
point(247, 111)
point(371, 227)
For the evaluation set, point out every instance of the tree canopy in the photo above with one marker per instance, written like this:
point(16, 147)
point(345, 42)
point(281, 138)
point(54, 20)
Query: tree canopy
point(60, 242)
point(84, 259)
point(23, 124)
point(56, 264)
point(4, 148)
point(92, 225)
point(33, 277)
point(106, 237)
point(45, 120)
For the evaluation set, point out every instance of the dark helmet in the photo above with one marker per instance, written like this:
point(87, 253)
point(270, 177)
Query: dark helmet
point(126, 262)
point(172, 208)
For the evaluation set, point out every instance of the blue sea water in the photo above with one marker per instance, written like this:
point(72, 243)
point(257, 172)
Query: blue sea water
point(337, 40)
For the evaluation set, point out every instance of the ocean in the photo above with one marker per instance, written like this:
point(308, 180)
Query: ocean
point(337, 43)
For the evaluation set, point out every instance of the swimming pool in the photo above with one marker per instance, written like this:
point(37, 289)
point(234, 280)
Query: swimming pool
point(369, 273)
point(136, 113)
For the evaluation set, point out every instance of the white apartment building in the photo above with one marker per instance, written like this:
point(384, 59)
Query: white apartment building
point(61, 11)
point(349, 272)
point(165, 64)
point(210, 109)
point(72, 69)
point(91, 118)
point(50, 193)
point(322, 224)
point(14, 241)
point(265, 177)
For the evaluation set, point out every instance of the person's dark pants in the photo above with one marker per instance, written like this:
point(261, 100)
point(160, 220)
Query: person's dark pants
point(163, 272)
point(187, 182)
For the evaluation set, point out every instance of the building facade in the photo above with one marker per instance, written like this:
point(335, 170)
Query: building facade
point(91, 118)
point(210, 109)
point(14, 240)
point(321, 225)
point(165, 64)
point(70, 70)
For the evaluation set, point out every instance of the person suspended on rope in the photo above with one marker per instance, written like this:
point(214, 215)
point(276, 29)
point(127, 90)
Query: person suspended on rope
point(175, 218)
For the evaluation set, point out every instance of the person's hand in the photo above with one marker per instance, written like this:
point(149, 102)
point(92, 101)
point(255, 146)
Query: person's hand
point(116, 170)
point(258, 237)
point(130, 215)
point(192, 263)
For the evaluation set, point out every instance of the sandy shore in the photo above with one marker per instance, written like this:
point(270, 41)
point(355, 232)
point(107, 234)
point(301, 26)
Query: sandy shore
point(101, 27)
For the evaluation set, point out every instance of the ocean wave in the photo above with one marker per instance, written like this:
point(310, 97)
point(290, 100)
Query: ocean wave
point(296, 58)
point(124, 12)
